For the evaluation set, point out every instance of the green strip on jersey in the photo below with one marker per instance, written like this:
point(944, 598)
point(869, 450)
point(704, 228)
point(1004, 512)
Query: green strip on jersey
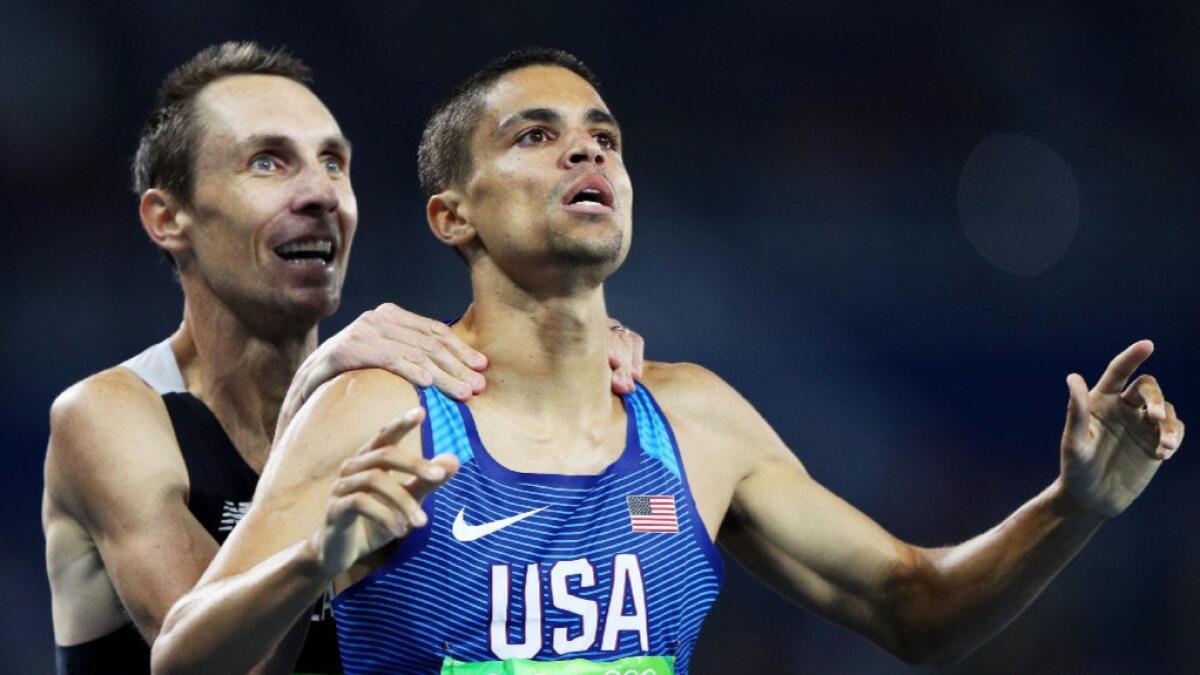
point(632, 665)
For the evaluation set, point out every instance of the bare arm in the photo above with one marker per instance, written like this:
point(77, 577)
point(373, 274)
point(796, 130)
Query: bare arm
point(927, 604)
point(921, 604)
point(113, 469)
point(330, 496)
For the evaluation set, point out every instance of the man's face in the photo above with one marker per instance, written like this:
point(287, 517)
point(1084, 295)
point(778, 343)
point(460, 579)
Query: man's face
point(548, 189)
point(274, 213)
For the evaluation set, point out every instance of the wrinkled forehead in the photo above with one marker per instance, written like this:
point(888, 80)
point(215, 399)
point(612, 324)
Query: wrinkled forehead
point(543, 87)
point(234, 109)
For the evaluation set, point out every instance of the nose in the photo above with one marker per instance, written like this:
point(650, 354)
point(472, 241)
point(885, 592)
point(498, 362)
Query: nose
point(585, 149)
point(316, 192)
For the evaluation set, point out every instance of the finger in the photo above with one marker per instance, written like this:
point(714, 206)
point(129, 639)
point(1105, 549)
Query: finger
point(622, 368)
point(421, 487)
point(450, 374)
point(309, 379)
point(639, 352)
point(390, 315)
point(1122, 366)
point(1075, 432)
point(343, 511)
point(398, 321)
point(410, 372)
point(620, 356)
point(461, 350)
point(1170, 432)
point(406, 364)
point(1145, 393)
point(395, 430)
point(391, 458)
point(386, 487)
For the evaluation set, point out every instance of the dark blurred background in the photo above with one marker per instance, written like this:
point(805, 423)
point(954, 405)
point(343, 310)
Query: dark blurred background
point(894, 229)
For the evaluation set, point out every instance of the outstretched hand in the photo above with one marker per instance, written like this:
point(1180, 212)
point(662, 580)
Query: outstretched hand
point(1116, 437)
point(377, 496)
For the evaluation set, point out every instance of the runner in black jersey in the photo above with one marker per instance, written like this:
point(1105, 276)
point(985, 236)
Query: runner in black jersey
point(243, 179)
point(150, 463)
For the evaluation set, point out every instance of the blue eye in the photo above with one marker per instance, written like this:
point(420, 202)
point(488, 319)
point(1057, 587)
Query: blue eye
point(332, 164)
point(264, 163)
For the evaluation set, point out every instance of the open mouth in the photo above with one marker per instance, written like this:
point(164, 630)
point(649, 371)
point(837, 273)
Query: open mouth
point(591, 191)
point(307, 251)
point(588, 196)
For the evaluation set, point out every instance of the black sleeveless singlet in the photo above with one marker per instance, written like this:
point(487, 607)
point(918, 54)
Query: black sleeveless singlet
point(221, 486)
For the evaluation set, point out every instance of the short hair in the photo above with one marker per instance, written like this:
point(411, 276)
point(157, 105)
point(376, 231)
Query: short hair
point(444, 156)
point(166, 154)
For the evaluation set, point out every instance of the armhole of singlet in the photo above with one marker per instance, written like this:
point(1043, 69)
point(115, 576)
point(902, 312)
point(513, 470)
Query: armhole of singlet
point(415, 541)
point(157, 367)
point(123, 650)
point(707, 546)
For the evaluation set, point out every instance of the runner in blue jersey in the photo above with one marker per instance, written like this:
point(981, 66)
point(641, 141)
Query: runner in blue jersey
point(549, 526)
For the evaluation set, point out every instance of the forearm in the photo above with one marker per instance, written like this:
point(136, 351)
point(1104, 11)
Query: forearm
point(232, 624)
point(950, 600)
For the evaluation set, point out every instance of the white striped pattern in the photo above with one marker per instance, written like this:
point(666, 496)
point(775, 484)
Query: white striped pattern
point(433, 598)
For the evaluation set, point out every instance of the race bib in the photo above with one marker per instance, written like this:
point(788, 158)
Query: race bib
point(632, 665)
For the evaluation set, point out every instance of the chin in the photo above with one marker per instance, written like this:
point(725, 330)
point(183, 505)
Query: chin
point(312, 308)
point(588, 252)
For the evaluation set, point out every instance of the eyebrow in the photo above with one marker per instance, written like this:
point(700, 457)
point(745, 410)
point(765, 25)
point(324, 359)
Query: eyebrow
point(597, 116)
point(548, 116)
point(337, 143)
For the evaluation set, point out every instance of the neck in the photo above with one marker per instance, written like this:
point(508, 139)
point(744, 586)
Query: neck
point(547, 355)
point(242, 377)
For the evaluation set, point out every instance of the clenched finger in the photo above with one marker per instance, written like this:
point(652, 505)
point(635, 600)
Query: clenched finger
point(1170, 432)
point(1122, 366)
point(343, 510)
point(1145, 392)
point(621, 374)
point(621, 356)
point(387, 488)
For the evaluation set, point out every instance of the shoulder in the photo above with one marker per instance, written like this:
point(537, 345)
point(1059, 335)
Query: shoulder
point(353, 396)
point(340, 416)
point(110, 431)
point(711, 412)
point(111, 405)
point(694, 391)
point(93, 400)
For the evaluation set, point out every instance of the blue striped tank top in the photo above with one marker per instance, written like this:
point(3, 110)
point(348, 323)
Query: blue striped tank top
point(540, 573)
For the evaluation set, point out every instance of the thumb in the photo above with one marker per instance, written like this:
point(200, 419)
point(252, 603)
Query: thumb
point(1075, 433)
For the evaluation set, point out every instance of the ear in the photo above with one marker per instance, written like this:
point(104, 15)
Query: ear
point(166, 222)
point(447, 217)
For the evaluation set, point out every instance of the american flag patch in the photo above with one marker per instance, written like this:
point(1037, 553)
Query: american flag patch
point(652, 513)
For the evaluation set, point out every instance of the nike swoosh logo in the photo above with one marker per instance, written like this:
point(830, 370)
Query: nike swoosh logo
point(463, 531)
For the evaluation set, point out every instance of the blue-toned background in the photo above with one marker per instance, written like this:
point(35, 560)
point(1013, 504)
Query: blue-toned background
point(895, 230)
